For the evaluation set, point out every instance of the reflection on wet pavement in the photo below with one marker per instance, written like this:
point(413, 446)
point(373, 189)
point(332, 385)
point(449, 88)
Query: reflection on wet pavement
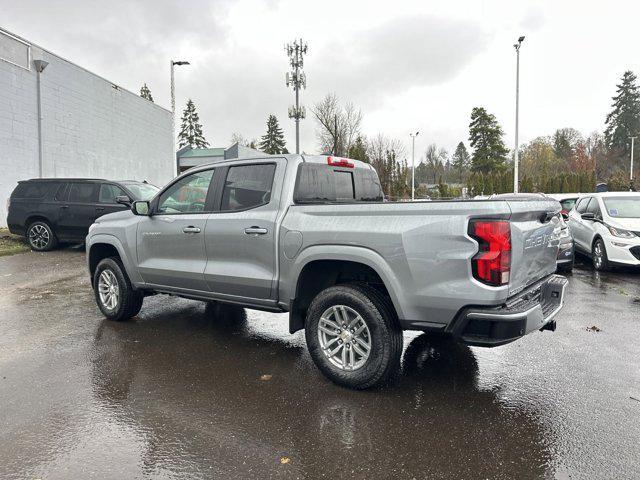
point(189, 390)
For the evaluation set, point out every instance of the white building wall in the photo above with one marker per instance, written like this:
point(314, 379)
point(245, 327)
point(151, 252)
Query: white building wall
point(90, 127)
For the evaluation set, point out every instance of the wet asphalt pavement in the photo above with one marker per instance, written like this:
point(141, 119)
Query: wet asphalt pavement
point(189, 391)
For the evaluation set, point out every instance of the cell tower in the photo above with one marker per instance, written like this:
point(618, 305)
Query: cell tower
point(297, 79)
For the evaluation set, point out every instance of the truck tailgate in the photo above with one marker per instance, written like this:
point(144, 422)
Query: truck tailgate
point(534, 244)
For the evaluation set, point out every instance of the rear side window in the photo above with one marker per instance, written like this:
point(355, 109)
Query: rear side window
point(83, 192)
point(323, 183)
point(568, 203)
point(247, 186)
point(34, 189)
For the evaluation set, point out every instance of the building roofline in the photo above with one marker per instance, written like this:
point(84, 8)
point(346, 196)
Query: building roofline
point(120, 88)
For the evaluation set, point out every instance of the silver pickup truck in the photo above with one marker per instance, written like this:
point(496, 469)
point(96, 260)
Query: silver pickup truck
point(313, 236)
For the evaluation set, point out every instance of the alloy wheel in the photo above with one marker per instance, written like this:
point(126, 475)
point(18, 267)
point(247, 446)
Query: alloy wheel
point(344, 337)
point(108, 289)
point(39, 237)
point(597, 255)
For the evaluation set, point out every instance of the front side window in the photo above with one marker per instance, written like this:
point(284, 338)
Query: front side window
point(247, 186)
point(594, 207)
point(83, 192)
point(187, 195)
point(623, 207)
point(581, 207)
point(109, 192)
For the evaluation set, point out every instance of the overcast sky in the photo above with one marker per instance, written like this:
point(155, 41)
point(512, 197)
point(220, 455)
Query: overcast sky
point(417, 65)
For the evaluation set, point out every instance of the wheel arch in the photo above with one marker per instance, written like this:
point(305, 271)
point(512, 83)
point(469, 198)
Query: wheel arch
point(325, 266)
point(104, 246)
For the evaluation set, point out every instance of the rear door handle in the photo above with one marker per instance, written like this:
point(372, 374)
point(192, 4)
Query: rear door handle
point(64, 206)
point(99, 209)
point(256, 231)
point(191, 230)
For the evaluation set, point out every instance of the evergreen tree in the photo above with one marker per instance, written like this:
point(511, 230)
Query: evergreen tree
point(624, 120)
point(358, 151)
point(146, 93)
point(273, 141)
point(485, 136)
point(191, 130)
point(461, 159)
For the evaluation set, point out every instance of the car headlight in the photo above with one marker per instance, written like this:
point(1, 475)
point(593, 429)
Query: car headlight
point(619, 232)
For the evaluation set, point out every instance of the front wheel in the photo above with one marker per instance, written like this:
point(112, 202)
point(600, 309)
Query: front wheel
point(353, 336)
point(600, 259)
point(115, 296)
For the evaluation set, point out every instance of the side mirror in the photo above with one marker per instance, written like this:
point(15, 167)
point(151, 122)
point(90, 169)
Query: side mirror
point(588, 216)
point(141, 208)
point(123, 200)
point(565, 215)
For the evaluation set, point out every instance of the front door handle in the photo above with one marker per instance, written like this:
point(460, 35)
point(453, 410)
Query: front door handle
point(191, 230)
point(256, 231)
point(99, 209)
point(64, 206)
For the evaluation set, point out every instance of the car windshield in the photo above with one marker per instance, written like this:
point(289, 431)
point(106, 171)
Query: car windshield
point(623, 207)
point(142, 191)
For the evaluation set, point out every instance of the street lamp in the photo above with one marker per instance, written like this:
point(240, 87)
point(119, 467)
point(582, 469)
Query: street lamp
point(40, 66)
point(631, 169)
point(173, 109)
point(515, 158)
point(413, 163)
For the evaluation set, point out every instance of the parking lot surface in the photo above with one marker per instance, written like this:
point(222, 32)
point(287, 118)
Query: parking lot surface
point(194, 391)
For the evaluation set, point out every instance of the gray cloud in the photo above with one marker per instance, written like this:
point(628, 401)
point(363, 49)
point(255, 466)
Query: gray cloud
point(399, 54)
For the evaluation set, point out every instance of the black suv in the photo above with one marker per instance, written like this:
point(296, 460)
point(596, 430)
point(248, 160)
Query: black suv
point(51, 210)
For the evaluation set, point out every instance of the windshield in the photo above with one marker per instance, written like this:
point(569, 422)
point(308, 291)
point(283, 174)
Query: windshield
point(142, 191)
point(623, 207)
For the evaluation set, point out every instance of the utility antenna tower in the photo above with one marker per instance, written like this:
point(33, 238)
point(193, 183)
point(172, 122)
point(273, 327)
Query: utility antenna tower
point(296, 79)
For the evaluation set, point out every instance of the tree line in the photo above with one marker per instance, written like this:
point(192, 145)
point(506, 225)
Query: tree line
point(565, 161)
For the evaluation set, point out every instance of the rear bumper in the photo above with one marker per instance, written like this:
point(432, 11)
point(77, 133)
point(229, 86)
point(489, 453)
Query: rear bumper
point(530, 310)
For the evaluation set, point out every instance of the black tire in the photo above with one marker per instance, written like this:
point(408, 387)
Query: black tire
point(129, 301)
point(40, 236)
point(383, 360)
point(599, 256)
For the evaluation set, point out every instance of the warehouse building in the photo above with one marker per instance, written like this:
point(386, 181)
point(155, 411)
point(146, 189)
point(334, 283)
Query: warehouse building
point(59, 120)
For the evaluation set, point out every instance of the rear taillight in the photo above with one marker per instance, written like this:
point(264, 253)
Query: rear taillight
point(492, 263)
point(340, 162)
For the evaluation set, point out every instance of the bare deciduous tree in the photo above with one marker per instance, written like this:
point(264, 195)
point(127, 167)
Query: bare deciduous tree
point(338, 126)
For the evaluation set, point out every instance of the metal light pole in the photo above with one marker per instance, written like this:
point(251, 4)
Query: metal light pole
point(631, 169)
point(297, 79)
point(515, 158)
point(173, 109)
point(40, 66)
point(413, 163)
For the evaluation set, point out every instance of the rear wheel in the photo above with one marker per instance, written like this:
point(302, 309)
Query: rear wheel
point(353, 336)
point(41, 237)
point(599, 256)
point(114, 294)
